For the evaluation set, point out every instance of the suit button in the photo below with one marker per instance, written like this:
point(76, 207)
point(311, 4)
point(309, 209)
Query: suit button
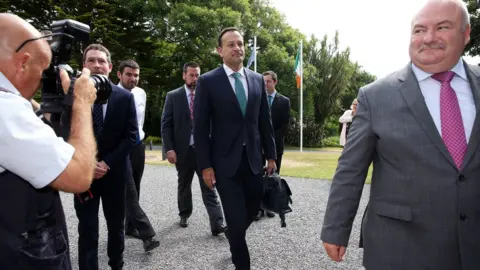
point(463, 217)
point(461, 178)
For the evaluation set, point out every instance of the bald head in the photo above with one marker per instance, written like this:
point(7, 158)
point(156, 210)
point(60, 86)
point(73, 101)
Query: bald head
point(456, 5)
point(23, 68)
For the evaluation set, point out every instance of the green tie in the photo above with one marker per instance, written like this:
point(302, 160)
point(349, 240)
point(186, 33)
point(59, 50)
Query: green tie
point(270, 100)
point(240, 92)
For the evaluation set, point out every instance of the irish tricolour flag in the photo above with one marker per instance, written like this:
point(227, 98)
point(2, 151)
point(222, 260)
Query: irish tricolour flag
point(298, 66)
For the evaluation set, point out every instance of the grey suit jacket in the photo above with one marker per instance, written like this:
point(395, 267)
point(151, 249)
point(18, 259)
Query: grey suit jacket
point(423, 213)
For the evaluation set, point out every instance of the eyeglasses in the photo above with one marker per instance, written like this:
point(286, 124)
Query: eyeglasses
point(45, 34)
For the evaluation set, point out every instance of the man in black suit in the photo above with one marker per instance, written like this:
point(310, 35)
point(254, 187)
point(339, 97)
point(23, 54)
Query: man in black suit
point(232, 127)
point(177, 134)
point(280, 112)
point(116, 130)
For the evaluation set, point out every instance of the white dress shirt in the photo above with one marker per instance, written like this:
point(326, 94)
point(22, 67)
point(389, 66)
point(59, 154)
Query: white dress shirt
point(243, 78)
point(431, 92)
point(187, 92)
point(140, 97)
point(271, 95)
point(28, 147)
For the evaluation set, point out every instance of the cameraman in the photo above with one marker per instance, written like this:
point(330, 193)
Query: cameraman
point(34, 162)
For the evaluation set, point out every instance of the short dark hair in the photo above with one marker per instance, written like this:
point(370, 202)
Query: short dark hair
point(189, 64)
point(128, 63)
point(272, 74)
point(225, 30)
point(98, 47)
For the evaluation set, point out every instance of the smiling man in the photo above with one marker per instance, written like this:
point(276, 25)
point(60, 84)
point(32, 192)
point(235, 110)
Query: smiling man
point(417, 127)
point(232, 126)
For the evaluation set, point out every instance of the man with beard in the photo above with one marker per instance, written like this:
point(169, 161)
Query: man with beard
point(137, 223)
point(116, 130)
point(177, 134)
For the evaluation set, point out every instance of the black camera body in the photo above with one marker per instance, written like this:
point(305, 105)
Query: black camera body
point(65, 33)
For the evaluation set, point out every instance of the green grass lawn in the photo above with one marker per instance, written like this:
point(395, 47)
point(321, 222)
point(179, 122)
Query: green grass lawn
point(316, 165)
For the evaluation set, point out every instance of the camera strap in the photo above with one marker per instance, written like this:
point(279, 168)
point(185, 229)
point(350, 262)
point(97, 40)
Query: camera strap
point(68, 100)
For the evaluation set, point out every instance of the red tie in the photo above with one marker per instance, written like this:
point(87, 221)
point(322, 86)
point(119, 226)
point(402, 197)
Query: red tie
point(192, 96)
point(453, 131)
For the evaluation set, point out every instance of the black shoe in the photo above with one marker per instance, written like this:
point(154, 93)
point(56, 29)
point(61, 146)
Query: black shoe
point(270, 214)
point(220, 229)
point(133, 234)
point(259, 215)
point(150, 244)
point(183, 222)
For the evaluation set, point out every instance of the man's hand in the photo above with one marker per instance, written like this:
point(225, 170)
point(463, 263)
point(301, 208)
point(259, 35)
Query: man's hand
point(101, 169)
point(335, 252)
point(271, 166)
point(84, 89)
point(209, 177)
point(172, 157)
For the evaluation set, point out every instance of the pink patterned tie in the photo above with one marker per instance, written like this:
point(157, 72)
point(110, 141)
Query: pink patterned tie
point(453, 132)
point(192, 96)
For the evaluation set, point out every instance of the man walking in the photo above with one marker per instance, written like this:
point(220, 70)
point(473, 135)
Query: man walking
point(137, 223)
point(420, 128)
point(280, 113)
point(232, 128)
point(177, 134)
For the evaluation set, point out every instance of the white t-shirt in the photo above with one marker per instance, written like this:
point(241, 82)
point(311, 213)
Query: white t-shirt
point(28, 147)
point(140, 98)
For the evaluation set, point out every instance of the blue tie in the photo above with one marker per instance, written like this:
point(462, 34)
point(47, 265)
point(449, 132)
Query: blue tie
point(97, 119)
point(240, 93)
point(270, 101)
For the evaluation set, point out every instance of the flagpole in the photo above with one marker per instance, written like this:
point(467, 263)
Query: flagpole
point(301, 95)
point(255, 50)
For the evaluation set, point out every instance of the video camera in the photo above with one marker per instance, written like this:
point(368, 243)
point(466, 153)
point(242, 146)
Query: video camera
point(54, 100)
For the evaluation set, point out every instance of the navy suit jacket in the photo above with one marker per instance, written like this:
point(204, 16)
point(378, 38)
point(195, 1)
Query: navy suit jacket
point(119, 133)
point(220, 129)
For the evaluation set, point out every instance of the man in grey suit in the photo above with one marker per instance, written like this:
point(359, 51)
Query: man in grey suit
point(177, 134)
point(420, 128)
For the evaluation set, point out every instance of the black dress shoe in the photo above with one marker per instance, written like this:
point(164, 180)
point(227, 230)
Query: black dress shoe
point(133, 234)
point(259, 215)
point(270, 214)
point(150, 244)
point(220, 229)
point(183, 222)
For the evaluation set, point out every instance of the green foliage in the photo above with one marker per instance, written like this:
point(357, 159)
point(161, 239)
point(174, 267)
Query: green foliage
point(333, 141)
point(162, 35)
point(154, 140)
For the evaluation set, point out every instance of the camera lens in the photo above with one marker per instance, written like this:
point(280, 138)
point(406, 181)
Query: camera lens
point(103, 86)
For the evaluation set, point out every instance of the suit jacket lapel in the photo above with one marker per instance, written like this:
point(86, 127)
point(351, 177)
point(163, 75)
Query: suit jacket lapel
point(275, 101)
point(416, 102)
point(228, 91)
point(250, 86)
point(183, 102)
point(473, 78)
point(110, 105)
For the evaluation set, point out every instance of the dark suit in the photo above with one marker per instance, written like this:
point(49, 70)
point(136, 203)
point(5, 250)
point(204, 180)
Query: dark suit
point(114, 144)
point(280, 111)
point(232, 145)
point(176, 133)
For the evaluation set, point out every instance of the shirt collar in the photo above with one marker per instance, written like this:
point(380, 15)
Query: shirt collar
point(272, 94)
point(458, 69)
point(7, 85)
point(229, 71)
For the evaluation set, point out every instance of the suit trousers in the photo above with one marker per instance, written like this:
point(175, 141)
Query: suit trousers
point(137, 158)
point(135, 216)
point(111, 190)
point(241, 195)
point(186, 171)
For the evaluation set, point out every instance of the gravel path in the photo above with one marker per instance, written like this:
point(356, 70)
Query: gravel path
point(297, 246)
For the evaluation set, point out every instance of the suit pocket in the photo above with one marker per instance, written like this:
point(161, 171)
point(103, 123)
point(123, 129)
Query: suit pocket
point(400, 212)
point(47, 250)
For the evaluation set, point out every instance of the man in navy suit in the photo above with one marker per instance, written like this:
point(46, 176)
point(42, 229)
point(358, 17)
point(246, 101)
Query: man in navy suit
point(116, 130)
point(232, 126)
